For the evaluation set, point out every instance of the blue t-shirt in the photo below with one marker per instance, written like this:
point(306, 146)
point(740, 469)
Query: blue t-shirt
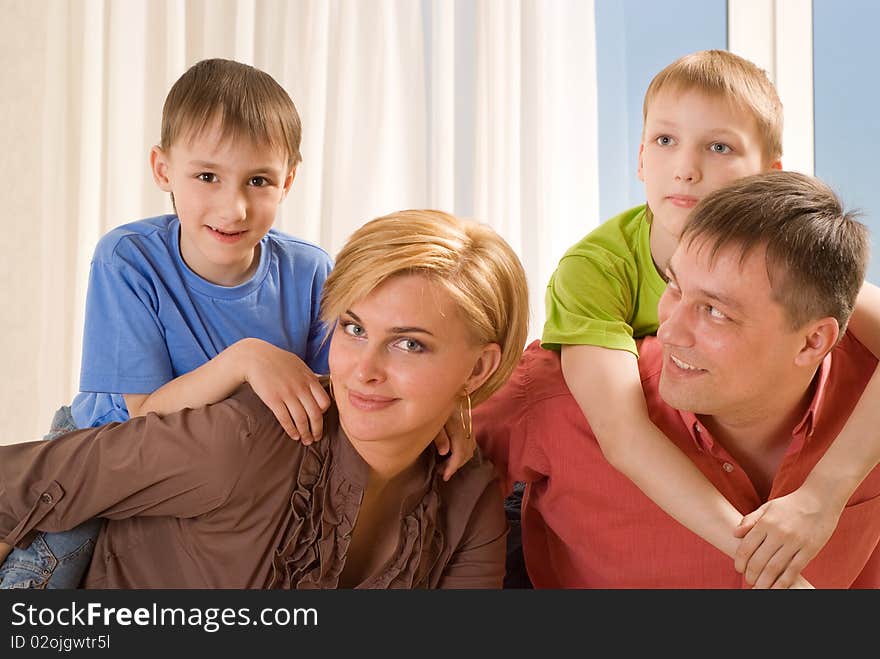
point(150, 319)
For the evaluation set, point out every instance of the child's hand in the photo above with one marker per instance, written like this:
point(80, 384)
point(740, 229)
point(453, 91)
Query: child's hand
point(781, 537)
point(453, 436)
point(288, 387)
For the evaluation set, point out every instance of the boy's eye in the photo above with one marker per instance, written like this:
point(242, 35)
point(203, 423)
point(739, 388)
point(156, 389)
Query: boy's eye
point(258, 181)
point(207, 177)
point(719, 147)
point(665, 140)
point(353, 329)
point(409, 345)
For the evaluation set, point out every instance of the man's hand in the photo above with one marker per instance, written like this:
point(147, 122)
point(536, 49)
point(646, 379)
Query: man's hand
point(453, 436)
point(781, 537)
point(288, 387)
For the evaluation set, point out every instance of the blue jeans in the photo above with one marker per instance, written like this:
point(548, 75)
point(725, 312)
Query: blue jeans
point(53, 560)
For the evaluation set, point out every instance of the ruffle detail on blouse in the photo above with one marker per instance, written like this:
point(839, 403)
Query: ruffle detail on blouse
point(420, 546)
point(318, 532)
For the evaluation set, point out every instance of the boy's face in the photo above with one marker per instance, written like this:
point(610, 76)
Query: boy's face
point(694, 144)
point(226, 194)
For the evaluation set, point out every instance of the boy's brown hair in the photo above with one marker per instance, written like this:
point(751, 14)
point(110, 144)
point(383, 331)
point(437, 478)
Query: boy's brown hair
point(720, 73)
point(817, 253)
point(245, 101)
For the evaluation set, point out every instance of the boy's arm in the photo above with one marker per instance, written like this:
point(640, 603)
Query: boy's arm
point(281, 379)
point(792, 529)
point(607, 386)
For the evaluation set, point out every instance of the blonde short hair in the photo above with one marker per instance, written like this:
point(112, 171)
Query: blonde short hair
point(469, 260)
point(722, 74)
point(246, 101)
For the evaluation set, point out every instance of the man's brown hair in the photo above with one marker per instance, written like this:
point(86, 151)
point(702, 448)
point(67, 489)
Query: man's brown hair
point(247, 102)
point(817, 253)
point(721, 74)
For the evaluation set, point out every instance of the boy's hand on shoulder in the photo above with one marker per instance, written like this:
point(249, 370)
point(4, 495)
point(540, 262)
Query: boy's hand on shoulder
point(287, 386)
point(453, 437)
point(781, 537)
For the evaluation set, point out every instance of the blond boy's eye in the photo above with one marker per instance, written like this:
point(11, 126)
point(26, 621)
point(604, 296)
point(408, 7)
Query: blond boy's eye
point(719, 147)
point(258, 181)
point(665, 140)
point(207, 177)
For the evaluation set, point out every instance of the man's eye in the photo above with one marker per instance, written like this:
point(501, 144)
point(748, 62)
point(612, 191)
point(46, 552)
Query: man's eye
point(715, 313)
point(258, 181)
point(409, 345)
point(207, 177)
point(353, 329)
point(665, 140)
point(719, 147)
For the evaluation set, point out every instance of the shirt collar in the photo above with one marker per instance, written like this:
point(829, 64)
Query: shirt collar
point(803, 429)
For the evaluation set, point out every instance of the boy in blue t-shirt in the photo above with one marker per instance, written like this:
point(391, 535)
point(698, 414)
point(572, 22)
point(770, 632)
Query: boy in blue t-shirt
point(183, 308)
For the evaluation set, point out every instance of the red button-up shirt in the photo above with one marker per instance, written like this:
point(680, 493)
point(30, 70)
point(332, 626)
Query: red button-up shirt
point(585, 525)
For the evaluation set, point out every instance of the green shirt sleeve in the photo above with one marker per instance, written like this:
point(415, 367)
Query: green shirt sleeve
point(606, 288)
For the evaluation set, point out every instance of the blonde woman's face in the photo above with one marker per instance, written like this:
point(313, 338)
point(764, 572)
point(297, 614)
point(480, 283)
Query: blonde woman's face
point(399, 360)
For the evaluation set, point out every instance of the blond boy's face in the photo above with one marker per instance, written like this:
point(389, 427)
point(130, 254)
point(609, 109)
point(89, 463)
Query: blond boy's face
point(694, 144)
point(226, 193)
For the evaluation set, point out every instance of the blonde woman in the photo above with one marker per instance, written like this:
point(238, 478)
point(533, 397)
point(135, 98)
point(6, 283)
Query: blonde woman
point(427, 315)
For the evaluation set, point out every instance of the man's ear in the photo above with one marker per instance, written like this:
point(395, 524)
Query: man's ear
point(288, 181)
point(159, 167)
point(487, 363)
point(819, 338)
point(641, 168)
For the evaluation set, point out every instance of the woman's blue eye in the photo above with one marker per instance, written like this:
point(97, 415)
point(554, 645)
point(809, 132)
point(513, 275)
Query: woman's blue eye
point(410, 345)
point(664, 140)
point(353, 329)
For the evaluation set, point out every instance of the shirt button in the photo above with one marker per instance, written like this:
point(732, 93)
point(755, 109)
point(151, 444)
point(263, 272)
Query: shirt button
point(727, 467)
point(46, 498)
point(697, 428)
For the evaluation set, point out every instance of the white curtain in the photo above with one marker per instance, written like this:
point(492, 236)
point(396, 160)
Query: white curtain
point(482, 108)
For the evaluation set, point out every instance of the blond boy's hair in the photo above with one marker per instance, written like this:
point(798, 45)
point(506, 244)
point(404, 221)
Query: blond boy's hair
point(469, 260)
point(722, 74)
point(247, 103)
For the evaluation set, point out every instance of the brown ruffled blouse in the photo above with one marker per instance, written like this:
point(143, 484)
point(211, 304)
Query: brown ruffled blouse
point(220, 497)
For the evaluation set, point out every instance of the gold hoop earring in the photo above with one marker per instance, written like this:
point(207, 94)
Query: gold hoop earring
point(469, 426)
point(332, 395)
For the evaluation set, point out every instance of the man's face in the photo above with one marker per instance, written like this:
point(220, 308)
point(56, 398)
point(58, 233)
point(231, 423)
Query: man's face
point(694, 144)
point(728, 347)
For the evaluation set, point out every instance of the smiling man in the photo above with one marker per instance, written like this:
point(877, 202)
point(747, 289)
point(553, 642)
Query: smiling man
point(750, 375)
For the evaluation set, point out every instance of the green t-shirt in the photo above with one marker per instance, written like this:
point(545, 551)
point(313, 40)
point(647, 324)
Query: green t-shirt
point(606, 287)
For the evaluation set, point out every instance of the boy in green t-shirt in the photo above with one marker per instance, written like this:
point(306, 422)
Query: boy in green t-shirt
point(709, 118)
